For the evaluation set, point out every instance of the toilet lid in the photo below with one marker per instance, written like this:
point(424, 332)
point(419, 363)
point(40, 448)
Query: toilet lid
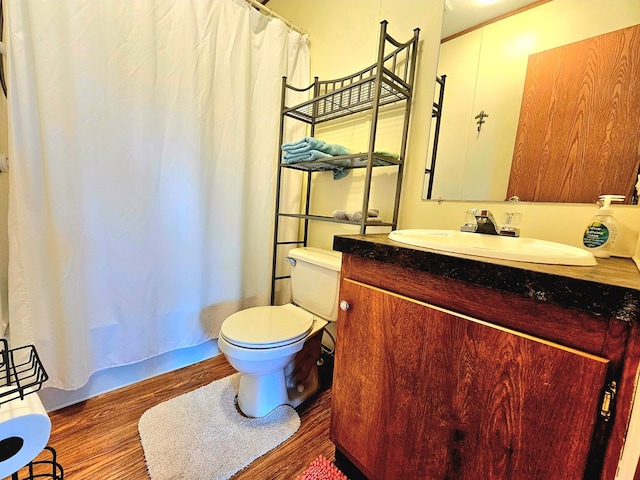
point(267, 327)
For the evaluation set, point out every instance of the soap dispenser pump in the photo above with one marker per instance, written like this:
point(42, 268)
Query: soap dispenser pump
point(601, 232)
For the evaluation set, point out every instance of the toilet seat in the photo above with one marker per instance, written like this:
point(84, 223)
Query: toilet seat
point(267, 327)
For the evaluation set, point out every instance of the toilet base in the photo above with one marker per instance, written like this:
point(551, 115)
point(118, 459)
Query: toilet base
point(258, 395)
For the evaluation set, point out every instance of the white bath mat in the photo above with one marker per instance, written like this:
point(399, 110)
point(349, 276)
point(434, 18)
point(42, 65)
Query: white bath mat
point(201, 435)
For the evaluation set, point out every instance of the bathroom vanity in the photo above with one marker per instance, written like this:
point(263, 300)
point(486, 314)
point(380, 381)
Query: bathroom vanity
point(456, 367)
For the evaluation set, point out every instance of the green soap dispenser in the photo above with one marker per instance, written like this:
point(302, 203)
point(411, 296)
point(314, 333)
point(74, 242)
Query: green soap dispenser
point(601, 232)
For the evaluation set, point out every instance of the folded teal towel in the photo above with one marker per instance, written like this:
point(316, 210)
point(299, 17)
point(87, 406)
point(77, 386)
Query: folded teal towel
point(296, 151)
point(309, 149)
point(339, 171)
point(309, 143)
point(305, 156)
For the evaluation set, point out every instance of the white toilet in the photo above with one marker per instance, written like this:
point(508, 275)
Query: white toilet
point(275, 348)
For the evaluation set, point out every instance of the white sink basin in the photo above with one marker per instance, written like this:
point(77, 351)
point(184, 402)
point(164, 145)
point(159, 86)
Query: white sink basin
point(494, 246)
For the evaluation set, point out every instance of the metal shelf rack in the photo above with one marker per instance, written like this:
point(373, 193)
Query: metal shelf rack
point(41, 468)
point(21, 370)
point(436, 113)
point(390, 80)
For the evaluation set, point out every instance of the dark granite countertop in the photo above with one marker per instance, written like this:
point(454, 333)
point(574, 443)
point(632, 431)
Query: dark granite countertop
point(611, 288)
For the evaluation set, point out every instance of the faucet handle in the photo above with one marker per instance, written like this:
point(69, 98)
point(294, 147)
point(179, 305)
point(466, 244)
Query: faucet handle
point(510, 225)
point(470, 222)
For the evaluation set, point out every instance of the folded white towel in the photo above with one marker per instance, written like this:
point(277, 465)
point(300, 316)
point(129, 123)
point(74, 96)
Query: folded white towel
point(355, 216)
point(340, 214)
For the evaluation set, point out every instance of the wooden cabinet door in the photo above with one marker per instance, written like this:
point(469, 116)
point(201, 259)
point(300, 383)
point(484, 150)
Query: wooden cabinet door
point(423, 393)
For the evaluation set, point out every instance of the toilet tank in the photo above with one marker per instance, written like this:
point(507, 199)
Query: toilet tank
point(315, 280)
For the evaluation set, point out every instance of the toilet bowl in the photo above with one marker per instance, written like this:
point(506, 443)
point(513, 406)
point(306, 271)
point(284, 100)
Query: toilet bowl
point(262, 362)
point(276, 348)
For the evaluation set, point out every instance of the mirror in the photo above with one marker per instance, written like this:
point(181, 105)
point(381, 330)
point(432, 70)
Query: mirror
point(485, 73)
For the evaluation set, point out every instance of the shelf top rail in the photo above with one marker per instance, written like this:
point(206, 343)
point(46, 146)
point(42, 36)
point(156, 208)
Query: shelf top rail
point(355, 93)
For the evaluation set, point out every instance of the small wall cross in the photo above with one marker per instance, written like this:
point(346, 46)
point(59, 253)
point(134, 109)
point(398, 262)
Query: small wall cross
point(480, 117)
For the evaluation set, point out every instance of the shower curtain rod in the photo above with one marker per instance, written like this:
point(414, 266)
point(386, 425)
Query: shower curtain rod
point(270, 13)
point(254, 3)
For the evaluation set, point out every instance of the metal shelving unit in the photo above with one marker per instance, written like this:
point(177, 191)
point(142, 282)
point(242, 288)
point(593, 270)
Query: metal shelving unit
point(436, 114)
point(22, 372)
point(388, 81)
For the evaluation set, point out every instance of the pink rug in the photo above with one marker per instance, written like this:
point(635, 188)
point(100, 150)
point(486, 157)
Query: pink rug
point(322, 469)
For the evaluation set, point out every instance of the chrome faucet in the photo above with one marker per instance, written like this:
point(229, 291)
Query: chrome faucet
point(480, 220)
point(486, 223)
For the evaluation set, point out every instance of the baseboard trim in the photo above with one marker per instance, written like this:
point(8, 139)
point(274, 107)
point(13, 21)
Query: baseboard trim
point(118, 377)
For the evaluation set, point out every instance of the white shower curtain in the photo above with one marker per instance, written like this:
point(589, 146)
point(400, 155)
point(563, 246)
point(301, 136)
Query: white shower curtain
point(143, 142)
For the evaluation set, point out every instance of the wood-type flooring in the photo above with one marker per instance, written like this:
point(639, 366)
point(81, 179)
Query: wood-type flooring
point(98, 439)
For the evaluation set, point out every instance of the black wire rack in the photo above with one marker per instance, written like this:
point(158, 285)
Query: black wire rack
point(45, 466)
point(21, 374)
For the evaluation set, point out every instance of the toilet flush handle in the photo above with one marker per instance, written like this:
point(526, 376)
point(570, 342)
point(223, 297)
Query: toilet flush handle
point(292, 261)
point(344, 305)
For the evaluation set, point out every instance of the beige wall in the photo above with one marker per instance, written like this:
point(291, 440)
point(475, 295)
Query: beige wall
point(343, 40)
point(4, 201)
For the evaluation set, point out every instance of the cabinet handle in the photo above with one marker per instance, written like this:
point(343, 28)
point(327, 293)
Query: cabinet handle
point(344, 305)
